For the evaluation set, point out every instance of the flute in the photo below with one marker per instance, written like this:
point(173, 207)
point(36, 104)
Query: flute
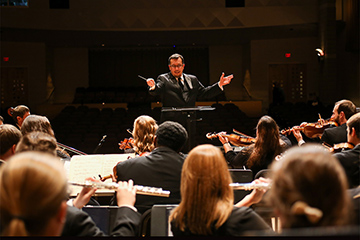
point(250, 186)
point(143, 190)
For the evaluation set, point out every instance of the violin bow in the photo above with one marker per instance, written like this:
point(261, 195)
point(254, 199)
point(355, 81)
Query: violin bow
point(236, 131)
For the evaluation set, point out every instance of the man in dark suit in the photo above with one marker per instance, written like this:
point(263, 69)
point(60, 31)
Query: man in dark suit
point(178, 89)
point(342, 111)
point(161, 168)
point(350, 159)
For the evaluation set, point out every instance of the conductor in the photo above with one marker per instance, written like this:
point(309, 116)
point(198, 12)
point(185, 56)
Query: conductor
point(180, 90)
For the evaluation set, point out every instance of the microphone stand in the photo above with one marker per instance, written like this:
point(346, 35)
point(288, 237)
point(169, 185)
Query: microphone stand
point(100, 144)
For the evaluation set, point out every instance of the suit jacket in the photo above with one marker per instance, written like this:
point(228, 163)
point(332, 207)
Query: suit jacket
point(79, 223)
point(350, 160)
point(173, 96)
point(335, 135)
point(241, 220)
point(161, 169)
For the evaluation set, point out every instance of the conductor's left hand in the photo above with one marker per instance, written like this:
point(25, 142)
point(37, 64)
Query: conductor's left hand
point(225, 80)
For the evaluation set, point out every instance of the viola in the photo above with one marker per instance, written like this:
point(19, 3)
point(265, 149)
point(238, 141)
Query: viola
point(311, 130)
point(234, 139)
point(339, 147)
point(127, 143)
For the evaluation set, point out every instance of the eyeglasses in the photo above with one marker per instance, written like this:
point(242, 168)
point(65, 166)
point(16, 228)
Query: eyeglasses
point(177, 66)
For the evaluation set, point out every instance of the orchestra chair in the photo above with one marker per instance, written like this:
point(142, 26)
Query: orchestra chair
point(265, 173)
point(241, 176)
point(159, 222)
point(145, 224)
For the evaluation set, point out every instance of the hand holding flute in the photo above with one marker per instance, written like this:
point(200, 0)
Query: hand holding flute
point(259, 186)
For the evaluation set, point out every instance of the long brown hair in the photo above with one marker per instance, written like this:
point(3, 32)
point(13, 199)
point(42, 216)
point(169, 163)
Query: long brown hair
point(33, 186)
point(206, 196)
point(267, 142)
point(310, 175)
point(144, 134)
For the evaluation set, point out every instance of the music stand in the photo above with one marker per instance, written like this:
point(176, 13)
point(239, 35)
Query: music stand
point(190, 113)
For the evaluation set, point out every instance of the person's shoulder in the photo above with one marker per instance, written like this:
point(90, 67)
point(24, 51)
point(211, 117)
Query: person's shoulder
point(191, 76)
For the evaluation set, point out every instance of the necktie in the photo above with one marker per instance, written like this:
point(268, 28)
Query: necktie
point(181, 84)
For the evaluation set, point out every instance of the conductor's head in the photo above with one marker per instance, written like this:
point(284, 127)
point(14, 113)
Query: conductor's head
point(172, 135)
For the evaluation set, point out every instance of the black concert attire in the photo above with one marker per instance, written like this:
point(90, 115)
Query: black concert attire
point(334, 135)
point(161, 169)
point(174, 95)
point(240, 220)
point(350, 160)
point(79, 223)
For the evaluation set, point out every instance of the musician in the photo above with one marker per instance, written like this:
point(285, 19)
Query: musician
point(350, 159)
point(342, 111)
point(161, 168)
point(178, 89)
point(41, 123)
point(259, 155)
point(144, 133)
point(24, 214)
point(207, 200)
point(9, 138)
point(37, 141)
point(309, 189)
point(19, 113)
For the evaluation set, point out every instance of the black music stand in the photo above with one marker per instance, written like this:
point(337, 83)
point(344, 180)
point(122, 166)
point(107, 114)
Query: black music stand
point(190, 125)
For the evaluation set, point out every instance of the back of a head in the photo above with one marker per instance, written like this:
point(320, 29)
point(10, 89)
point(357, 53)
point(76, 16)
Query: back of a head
point(33, 185)
point(206, 196)
point(37, 141)
point(9, 135)
point(144, 132)
point(18, 111)
point(309, 188)
point(267, 127)
point(354, 122)
point(36, 123)
point(346, 106)
point(172, 135)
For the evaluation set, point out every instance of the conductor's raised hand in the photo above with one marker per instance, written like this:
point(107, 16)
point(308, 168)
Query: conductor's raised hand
point(126, 193)
point(225, 80)
point(150, 82)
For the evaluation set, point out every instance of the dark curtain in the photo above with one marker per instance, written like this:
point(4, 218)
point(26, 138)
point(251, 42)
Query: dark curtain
point(109, 68)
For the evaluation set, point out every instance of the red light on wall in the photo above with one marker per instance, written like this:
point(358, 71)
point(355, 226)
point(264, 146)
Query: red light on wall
point(5, 59)
point(287, 55)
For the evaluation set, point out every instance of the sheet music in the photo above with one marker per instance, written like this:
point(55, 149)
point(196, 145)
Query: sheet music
point(84, 166)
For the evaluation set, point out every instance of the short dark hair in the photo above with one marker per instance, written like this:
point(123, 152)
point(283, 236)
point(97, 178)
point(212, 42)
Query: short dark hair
point(176, 56)
point(354, 122)
point(346, 106)
point(9, 135)
point(18, 111)
point(171, 134)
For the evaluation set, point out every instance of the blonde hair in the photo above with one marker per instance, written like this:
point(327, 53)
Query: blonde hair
point(312, 178)
point(206, 196)
point(144, 133)
point(33, 186)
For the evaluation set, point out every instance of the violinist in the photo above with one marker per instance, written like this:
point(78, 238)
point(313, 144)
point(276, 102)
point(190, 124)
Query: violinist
point(342, 111)
point(350, 159)
point(260, 154)
point(19, 113)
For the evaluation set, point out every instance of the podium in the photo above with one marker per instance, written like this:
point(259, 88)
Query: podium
point(186, 116)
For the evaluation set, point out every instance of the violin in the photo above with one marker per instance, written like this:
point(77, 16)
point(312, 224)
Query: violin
point(311, 130)
point(339, 147)
point(234, 139)
point(127, 143)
